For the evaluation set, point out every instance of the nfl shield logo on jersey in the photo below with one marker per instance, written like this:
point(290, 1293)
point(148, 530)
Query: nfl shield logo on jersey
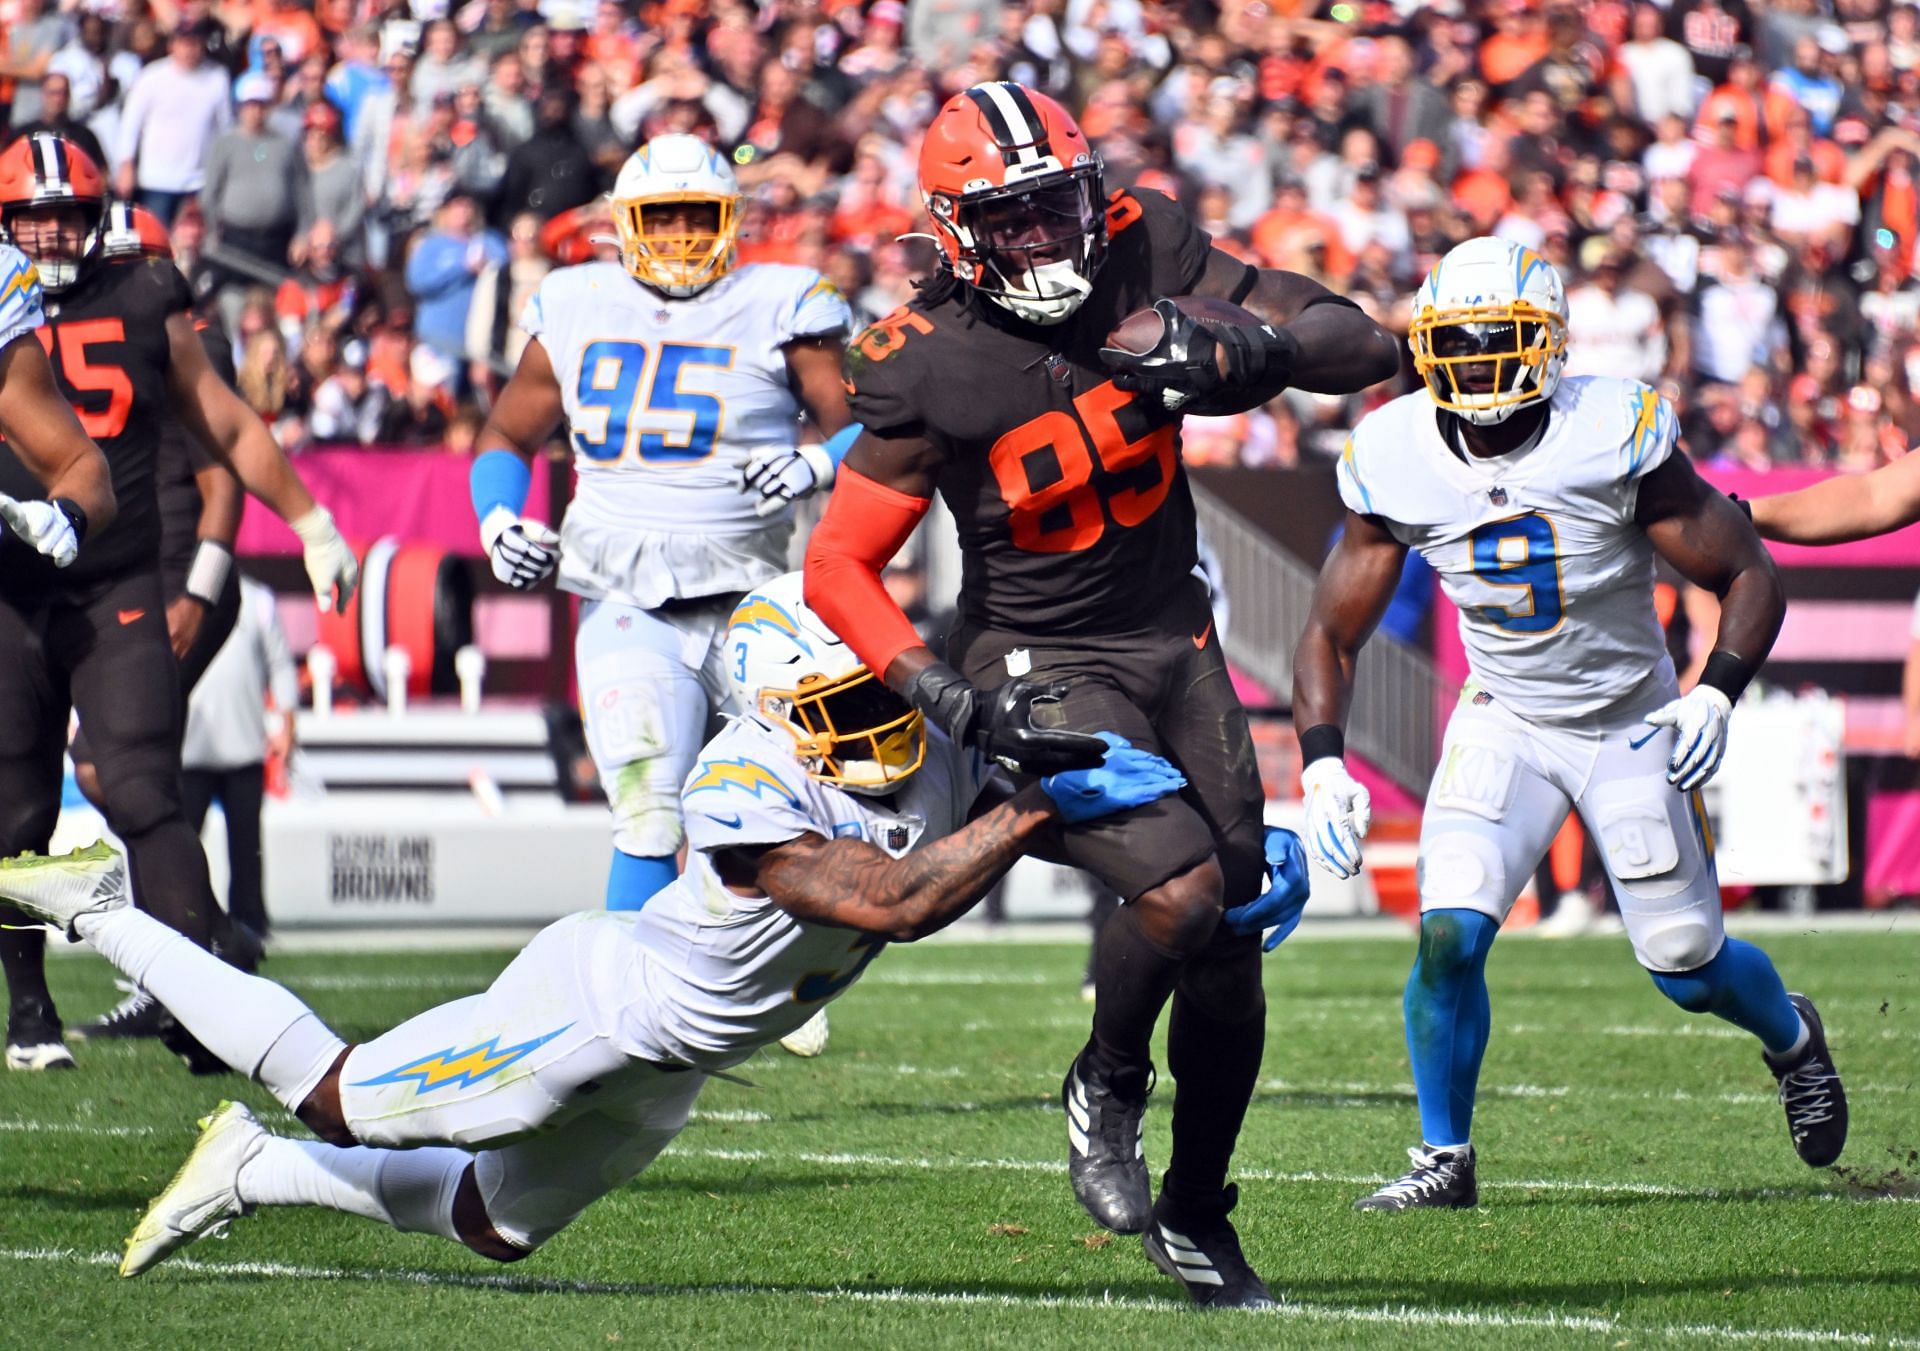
point(897, 837)
point(1497, 496)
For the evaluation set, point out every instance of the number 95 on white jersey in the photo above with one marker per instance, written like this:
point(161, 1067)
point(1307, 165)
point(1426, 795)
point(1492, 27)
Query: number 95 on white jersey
point(666, 399)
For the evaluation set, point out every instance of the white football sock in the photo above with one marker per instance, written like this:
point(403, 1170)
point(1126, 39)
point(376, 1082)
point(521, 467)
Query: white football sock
point(259, 1028)
point(407, 1189)
point(1792, 1053)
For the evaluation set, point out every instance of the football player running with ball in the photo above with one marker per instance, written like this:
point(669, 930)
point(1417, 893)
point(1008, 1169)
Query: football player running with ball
point(1038, 384)
point(826, 823)
point(1541, 502)
point(682, 380)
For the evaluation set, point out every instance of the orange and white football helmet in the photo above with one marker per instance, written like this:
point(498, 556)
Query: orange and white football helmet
point(47, 172)
point(133, 231)
point(1016, 197)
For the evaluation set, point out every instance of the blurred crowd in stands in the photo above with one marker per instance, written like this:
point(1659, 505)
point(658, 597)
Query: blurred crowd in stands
point(368, 190)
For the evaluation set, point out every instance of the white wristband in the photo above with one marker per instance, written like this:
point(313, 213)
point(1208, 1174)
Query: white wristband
point(207, 578)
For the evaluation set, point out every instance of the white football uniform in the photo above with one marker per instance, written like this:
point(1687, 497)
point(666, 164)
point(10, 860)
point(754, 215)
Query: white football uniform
point(580, 1063)
point(1553, 579)
point(22, 306)
point(666, 400)
point(738, 972)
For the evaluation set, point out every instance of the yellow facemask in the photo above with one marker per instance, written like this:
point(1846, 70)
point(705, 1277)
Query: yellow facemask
point(847, 731)
point(1524, 339)
point(678, 264)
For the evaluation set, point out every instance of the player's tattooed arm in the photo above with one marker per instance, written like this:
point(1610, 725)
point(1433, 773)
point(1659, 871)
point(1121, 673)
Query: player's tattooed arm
point(1340, 349)
point(1709, 541)
point(40, 425)
point(813, 371)
point(1846, 507)
point(855, 885)
point(529, 408)
point(1356, 584)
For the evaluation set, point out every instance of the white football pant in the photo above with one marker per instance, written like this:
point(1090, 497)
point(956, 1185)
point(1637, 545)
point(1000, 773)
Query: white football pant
point(1505, 786)
point(650, 683)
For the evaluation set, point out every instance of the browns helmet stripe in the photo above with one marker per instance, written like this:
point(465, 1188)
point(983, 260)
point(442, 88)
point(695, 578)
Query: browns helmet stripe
point(1018, 93)
point(50, 164)
point(1017, 129)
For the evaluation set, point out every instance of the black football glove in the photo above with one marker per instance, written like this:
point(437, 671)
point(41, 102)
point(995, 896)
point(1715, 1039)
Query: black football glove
point(1183, 369)
point(1001, 723)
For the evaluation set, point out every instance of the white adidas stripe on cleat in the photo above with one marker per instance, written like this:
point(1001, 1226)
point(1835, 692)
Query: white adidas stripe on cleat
point(1195, 1266)
point(1077, 1120)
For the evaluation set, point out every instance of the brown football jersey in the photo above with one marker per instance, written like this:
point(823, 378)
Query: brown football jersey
point(106, 336)
point(1073, 509)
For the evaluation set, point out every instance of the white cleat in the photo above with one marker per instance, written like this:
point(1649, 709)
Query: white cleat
point(41, 1055)
point(204, 1196)
point(809, 1039)
point(1576, 914)
point(61, 889)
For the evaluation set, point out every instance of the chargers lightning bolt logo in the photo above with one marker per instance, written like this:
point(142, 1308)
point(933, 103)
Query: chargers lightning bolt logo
point(744, 774)
point(764, 614)
point(460, 1069)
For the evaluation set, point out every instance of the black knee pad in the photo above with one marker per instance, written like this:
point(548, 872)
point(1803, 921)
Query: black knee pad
point(1222, 981)
point(27, 825)
point(137, 801)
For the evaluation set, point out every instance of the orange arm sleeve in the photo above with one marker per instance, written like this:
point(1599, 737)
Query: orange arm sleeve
point(864, 526)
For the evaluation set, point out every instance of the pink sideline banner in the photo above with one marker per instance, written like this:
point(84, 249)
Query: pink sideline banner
point(419, 495)
point(1893, 847)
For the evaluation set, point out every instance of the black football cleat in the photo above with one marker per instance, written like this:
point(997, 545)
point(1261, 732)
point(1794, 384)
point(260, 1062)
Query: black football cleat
point(1201, 1250)
point(34, 1040)
point(198, 1059)
point(239, 945)
point(138, 1015)
point(1440, 1179)
point(1812, 1094)
point(1106, 1155)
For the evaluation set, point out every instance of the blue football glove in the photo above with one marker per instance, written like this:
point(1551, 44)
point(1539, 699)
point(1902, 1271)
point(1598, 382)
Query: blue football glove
point(1125, 779)
point(1286, 896)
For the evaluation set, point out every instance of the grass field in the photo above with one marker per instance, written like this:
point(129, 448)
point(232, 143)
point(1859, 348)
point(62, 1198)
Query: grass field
point(908, 1188)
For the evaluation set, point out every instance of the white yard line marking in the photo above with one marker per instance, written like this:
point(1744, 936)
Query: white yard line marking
point(885, 977)
point(728, 1114)
point(1582, 1186)
point(1382, 1315)
point(74, 1128)
point(859, 1159)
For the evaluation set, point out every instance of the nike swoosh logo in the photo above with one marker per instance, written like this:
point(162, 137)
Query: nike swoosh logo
point(129, 616)
point(730, 822)
point(1200, 638)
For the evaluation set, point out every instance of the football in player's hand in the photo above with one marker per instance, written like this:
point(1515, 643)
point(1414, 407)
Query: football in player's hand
point(1141, 331)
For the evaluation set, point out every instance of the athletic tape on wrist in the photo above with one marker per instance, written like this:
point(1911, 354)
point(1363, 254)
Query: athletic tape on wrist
point(207, 577)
